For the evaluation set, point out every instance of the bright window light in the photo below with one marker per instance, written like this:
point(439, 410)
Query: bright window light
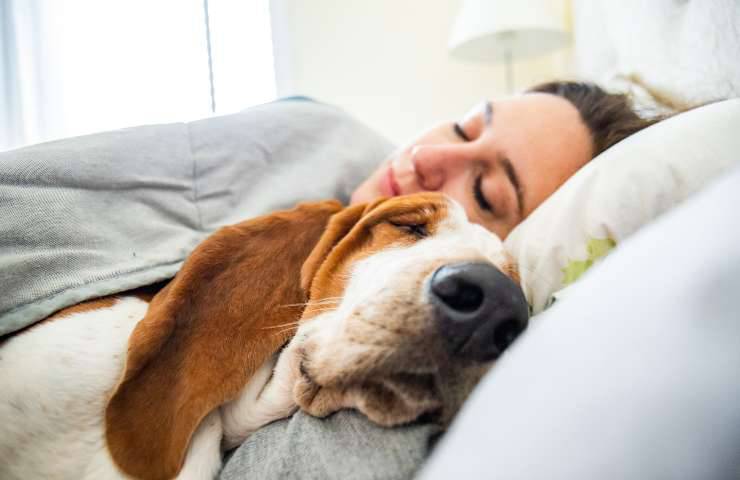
point(94, 65)
point(242, 53)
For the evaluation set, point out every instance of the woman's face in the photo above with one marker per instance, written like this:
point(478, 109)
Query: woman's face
point(500, 161)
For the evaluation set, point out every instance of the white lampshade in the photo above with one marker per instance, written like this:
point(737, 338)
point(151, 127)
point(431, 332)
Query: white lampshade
point(492, 30)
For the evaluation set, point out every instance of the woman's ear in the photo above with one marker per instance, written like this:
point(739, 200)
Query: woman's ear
point(205, 334)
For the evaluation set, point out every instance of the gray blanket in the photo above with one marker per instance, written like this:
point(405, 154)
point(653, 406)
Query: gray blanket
point(95, 215)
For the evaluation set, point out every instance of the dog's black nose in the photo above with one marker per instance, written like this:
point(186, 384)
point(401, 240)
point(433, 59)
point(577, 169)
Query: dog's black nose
point(480, 311)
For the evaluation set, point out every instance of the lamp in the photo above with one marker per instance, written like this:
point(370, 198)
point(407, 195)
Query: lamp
point(499, 30)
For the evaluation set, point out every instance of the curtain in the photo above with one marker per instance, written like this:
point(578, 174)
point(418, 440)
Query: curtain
point(79, 66)
point(18, 106)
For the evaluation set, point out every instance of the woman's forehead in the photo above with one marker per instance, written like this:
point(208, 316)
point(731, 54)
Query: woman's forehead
point(527, 106)
point(545, 138)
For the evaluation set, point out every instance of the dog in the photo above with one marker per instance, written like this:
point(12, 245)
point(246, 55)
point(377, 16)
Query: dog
point(394, 308)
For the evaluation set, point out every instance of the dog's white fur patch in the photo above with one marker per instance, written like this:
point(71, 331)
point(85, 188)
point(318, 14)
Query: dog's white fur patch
point(56, 379)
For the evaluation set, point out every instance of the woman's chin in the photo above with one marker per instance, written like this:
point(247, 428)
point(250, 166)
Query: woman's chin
point(360, 195)
point(365, 193)
point(353, 199)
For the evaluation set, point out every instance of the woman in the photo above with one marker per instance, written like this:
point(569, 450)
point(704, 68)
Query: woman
point(500, 162)
point(507, 156)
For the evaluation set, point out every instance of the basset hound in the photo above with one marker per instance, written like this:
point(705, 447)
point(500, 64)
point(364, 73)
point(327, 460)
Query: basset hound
point(394, 308)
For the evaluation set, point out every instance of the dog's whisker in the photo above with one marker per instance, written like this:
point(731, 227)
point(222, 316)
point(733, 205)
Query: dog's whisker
point(336, 300)
point(280, 332)
point(289, 324)
point(297, 322)
point(330, 308)
point(324, 304)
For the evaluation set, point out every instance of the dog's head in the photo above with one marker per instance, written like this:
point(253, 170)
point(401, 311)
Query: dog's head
point(409, 304)
point(402, 305)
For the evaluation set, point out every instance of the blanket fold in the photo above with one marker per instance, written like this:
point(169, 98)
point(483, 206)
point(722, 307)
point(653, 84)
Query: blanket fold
point(95, 215)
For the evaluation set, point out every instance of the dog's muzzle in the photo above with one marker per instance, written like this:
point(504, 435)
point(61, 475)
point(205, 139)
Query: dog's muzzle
point(479, 310)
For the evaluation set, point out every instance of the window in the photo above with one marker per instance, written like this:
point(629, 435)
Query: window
point(81, 66)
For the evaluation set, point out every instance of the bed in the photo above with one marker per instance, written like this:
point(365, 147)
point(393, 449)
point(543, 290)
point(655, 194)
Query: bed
point(593, 390)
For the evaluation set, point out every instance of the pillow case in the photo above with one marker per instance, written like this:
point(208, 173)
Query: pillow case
point(618, 192)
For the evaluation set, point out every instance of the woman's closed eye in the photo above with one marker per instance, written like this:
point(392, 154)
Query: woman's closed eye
point(480, 199)
point(460, 132)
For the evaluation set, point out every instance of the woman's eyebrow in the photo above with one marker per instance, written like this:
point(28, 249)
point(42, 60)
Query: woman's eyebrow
point(514, 179)
point(505, 163)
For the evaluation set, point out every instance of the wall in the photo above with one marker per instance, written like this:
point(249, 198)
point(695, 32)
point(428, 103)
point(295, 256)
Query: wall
point(386, 61)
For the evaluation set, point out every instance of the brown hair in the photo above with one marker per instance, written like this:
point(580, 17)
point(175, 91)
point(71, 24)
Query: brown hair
point(610, 117)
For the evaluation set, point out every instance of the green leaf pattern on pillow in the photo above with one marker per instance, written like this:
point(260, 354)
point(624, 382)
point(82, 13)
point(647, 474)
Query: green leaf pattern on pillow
point(596, 248)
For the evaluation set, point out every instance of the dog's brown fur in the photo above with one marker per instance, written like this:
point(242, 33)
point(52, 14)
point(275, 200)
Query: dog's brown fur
point(204, 335)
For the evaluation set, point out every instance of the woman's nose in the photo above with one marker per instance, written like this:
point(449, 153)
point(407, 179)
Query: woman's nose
point(435, 165)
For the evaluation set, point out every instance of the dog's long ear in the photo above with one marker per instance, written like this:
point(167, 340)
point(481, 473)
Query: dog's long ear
point(205, 334)
point(339, 226)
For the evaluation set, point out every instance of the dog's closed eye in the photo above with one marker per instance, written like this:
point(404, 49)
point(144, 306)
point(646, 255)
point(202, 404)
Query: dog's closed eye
point(419, 230)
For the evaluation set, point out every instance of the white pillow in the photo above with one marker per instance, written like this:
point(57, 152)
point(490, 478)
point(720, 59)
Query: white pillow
point(618, 192)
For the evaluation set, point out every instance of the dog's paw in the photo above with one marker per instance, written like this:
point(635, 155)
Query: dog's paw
point(313, 398)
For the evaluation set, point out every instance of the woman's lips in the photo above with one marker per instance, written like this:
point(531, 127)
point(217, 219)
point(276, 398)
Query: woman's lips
point(388, 185)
